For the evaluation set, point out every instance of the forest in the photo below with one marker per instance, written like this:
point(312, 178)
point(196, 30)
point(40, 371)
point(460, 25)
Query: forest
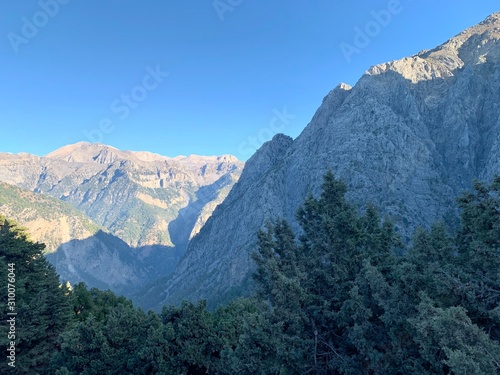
point(344, 295)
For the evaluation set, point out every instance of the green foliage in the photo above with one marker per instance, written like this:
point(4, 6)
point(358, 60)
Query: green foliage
point(114, 345)
point(191, 338)
point(477, 280)
point(343, 297)
point(451, 342)
point(95, 302)
point(41, 303)
point(135, 227)
point(251, 343)
point(322, 288)
point(120, 339)
point(340, 300)
point(27, 206)
point(19, 200)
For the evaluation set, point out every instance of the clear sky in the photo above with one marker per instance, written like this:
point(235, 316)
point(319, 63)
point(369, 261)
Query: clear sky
point(204, 77)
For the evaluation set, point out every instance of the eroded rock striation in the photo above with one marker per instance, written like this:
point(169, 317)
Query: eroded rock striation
point(409, 137)
point(127, 216)
point(138, 196)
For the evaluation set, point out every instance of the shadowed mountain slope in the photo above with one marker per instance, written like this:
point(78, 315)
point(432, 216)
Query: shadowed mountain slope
point(408, 137)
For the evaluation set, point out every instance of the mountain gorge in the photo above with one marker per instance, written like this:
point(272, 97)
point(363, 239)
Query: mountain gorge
point(409, 137)
point(136, 195)
point(115, 219)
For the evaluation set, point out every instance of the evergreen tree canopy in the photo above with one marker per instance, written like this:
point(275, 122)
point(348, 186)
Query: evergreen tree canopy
point(41, 303)
point(344, 296)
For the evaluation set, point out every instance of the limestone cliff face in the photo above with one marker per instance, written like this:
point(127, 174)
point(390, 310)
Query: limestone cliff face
point(138, 196)
point(105, 261)
point(114, 219)
point(409, 137)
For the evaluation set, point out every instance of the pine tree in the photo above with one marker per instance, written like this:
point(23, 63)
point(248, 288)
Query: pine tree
point(193, 343)
point(321, 289)
point(252, 340)
point(477, 284)
point(41, 302)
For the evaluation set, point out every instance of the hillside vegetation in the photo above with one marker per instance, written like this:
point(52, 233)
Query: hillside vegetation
point(344, 297)
point(49, 220)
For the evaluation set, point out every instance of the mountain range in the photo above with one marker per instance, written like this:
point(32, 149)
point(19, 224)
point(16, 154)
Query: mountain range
point(114, 219)
point(409, 137)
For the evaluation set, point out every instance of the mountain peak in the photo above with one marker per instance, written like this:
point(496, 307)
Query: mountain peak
point(407, 138)
point(475, 45)
point(343, 86)
point(84, 152)
point(491, 19)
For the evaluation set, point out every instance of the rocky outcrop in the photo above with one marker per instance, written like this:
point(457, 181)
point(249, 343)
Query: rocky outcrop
point(115, 219)
point(409, 137)
point(137, 196)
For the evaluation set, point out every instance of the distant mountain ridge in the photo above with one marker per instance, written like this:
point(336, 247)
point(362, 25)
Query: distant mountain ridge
point(409, 137)
point(135, 195)
point(142, 207)
point(84, 152)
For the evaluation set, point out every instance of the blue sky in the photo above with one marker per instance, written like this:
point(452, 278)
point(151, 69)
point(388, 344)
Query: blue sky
point(195, 77)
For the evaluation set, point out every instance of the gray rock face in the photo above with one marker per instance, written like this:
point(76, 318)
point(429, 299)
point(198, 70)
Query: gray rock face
point(409, 137)
point(104, 261)
point(148, 207)
point(138, 196)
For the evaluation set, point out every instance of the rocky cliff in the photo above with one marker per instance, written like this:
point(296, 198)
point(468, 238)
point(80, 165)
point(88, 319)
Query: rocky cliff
point(409, 137)
point(121, 218)
point(137, 196)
